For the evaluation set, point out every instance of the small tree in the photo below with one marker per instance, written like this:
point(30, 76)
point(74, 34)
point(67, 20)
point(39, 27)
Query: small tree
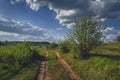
point(118, 39)
point(1, 43)
point(64, 47)
point(86, 36)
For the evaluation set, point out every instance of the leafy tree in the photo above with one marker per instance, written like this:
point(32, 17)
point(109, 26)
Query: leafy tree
point(1, 43)
point(64, 47)
point(118, 39)
point(86, 35)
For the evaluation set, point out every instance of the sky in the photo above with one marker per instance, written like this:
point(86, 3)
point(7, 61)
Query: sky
point(52, 20)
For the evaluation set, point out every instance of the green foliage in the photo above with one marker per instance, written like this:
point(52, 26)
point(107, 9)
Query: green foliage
point(86, 36)
point(53, 46)
point(1, 43)
point(20, 52)
point(54, 67)
point(104, 63)
point(16, 71)
point(118, 39)
point(16, 57)
point(64, 47)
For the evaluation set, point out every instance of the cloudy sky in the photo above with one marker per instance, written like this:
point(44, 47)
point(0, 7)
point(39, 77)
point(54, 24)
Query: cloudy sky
point(51, 20)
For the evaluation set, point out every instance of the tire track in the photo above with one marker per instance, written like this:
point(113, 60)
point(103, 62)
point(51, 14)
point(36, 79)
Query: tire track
point(42, 73)
point(71, 73)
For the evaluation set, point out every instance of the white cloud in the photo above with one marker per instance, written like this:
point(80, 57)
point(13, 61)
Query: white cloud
point(110, 34)
point(2, 33)
point(61, 13)
point(13, 30)
point(68, 10)
point(35, 4)
point(71, 9)
point(109, 29)
point(70, 25)
point(19, 27)
point(18, 37)
point(14, 1)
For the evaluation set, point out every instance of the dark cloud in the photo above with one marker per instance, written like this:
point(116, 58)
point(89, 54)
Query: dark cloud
point(70, 9)
point(68, 4)
point(111, 10)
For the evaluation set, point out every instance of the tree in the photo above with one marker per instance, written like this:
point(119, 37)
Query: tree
point(64, 47)
point(86, 35)
point(1, 43)
point(118, 39)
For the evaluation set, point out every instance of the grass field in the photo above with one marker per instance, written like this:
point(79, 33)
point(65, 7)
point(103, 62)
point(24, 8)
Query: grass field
point(16, 62)
point(104, 64)
point(55, 70)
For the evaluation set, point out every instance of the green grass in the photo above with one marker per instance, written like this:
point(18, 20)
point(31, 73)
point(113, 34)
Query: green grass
point(55, 69)
point(28, 72)
point(16, 60)
point(17, 52)
point(104, 64)
point(8, 70)
point(18, 72)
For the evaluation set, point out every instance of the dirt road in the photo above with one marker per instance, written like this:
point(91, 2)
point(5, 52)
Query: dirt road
point(71, 73)
point(42, 73)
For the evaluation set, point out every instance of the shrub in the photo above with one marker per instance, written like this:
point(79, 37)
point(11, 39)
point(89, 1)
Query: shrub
point(64, 47)
point(53, 46)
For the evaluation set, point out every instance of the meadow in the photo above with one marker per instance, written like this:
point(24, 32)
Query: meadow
point(20, 62)
point(17, 58)
point(104, 63)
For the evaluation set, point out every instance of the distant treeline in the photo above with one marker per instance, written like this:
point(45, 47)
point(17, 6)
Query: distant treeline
point(2, 43)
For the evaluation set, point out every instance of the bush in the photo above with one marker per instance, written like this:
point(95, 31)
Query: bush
point(53, 46)
point(16, 53)
point(118, 39)
point(64, 47)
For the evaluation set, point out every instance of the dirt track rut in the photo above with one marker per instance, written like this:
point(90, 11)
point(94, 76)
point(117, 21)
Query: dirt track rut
point(71, 73)
point(42, 73)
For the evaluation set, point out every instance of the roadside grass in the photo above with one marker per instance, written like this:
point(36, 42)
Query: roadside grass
point(55, 69)
point(28, 72)
point(8, 70)
point(104, 63)
point(16, 71)
point(17, 59)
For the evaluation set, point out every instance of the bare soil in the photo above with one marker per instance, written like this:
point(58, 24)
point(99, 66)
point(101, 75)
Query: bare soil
point(71, 73)
point(42, 73)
